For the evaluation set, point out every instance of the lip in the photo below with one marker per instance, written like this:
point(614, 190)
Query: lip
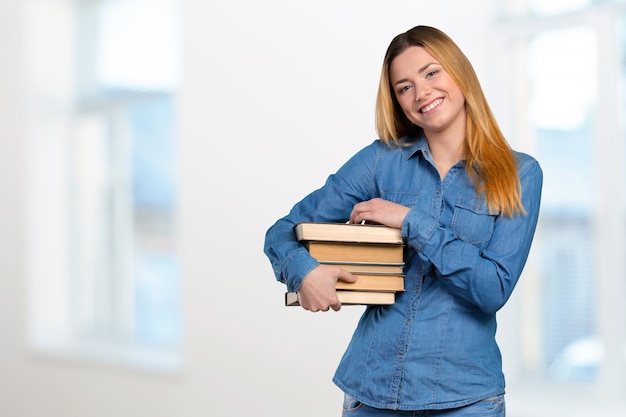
point(431, 106)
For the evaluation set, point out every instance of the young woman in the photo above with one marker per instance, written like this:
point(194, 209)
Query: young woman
point(467, 206)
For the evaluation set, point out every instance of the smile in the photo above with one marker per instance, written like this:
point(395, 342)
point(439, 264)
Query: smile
point(431, 106)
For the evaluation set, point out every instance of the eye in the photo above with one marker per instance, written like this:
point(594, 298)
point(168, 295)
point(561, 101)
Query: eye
point(404, 88)
point(432, 73)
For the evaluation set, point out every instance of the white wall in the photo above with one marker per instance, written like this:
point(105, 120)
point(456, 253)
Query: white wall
point(276, 96)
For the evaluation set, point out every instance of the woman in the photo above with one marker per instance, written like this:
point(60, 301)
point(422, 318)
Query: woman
point(467, 206)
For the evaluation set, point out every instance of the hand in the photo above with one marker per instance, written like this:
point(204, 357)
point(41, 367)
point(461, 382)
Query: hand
point(317, 292)
point(379, 211)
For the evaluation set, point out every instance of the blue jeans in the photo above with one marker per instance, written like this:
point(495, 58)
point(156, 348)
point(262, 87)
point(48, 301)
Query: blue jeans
point(490, 407)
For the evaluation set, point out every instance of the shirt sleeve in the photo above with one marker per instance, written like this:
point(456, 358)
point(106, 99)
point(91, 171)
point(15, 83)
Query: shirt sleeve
point(485, 278)
point(352, 183)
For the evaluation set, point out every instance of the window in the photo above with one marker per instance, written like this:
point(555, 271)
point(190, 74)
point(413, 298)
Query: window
point(571, 55)
point(105, 277)
point(563, 137)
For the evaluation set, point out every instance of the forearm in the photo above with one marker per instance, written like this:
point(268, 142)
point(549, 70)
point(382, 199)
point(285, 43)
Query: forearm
point(485, 277)
point(479, 280)
point(483, 258)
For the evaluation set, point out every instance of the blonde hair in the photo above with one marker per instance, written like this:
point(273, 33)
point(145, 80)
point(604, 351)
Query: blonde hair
point(491, 163)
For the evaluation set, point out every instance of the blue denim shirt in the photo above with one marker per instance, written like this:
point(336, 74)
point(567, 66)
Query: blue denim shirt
point(435, 347)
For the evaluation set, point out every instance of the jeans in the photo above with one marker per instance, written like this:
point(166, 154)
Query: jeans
point(489, 407)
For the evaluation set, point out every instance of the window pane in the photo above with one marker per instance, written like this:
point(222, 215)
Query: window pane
point(137, 44)
point(157, 278)
point(622, 88)
point(552, 7)
point(126, 272)
point(563, 73)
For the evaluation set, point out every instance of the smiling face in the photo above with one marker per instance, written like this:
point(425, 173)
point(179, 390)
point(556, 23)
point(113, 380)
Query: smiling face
point(427, 94)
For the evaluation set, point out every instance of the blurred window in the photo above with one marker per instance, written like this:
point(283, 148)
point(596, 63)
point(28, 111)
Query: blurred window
point(117, 284)
point(553, 7)
point(572, 57)
point(562, 69)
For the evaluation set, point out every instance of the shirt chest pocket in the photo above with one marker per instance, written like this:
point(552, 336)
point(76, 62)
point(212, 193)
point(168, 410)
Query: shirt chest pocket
point(471, 220)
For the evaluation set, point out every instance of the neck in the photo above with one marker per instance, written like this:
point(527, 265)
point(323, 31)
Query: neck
point(446, 151)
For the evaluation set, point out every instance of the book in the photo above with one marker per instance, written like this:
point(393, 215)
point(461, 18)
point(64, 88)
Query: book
point(351, 298)
point(354, 252)
point(345, 232)
point(375, 253)
point(373, 283)
point(369, 268)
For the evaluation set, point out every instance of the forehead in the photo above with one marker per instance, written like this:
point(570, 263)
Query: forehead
point(410, 62)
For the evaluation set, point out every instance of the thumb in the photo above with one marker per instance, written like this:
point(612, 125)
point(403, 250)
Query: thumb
point(347, 276)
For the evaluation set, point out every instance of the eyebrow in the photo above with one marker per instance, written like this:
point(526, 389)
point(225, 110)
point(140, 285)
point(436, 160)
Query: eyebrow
point(418, 71)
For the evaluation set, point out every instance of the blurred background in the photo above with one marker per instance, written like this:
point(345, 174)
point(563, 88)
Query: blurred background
point(147, 145)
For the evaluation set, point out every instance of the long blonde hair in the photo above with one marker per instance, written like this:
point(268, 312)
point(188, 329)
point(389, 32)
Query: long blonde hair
point(490, 161)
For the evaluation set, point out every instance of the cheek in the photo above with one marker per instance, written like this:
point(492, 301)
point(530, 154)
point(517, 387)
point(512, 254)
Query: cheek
point(407, 105)
point(458, 93)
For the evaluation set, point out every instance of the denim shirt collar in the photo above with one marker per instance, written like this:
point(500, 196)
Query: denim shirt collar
point(419, 144)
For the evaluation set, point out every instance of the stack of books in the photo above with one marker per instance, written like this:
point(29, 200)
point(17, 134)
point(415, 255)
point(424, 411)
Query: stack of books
point(374, 253)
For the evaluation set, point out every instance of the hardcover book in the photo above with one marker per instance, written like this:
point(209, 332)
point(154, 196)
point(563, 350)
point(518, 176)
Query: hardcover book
point(344, 232)
point(354, 252)
point(351, 298)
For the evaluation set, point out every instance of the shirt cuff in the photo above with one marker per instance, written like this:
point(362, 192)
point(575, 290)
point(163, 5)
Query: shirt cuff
point(418, 228)
point(296, 268)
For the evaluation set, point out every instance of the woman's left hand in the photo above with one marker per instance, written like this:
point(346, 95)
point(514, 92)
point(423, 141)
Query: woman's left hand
point(379, 211)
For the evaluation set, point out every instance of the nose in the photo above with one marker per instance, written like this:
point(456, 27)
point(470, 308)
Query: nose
point(421, 92)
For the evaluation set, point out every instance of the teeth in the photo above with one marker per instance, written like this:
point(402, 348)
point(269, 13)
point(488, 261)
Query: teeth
point(431, 106)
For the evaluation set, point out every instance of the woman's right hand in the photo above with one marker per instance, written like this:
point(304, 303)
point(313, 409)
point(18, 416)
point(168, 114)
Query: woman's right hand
point(317, 292)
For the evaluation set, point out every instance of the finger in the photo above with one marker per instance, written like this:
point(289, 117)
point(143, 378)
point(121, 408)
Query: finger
point(336, 304)
point(353, 215)
point(358, 217)
point(356, 212)
point(347, 276)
